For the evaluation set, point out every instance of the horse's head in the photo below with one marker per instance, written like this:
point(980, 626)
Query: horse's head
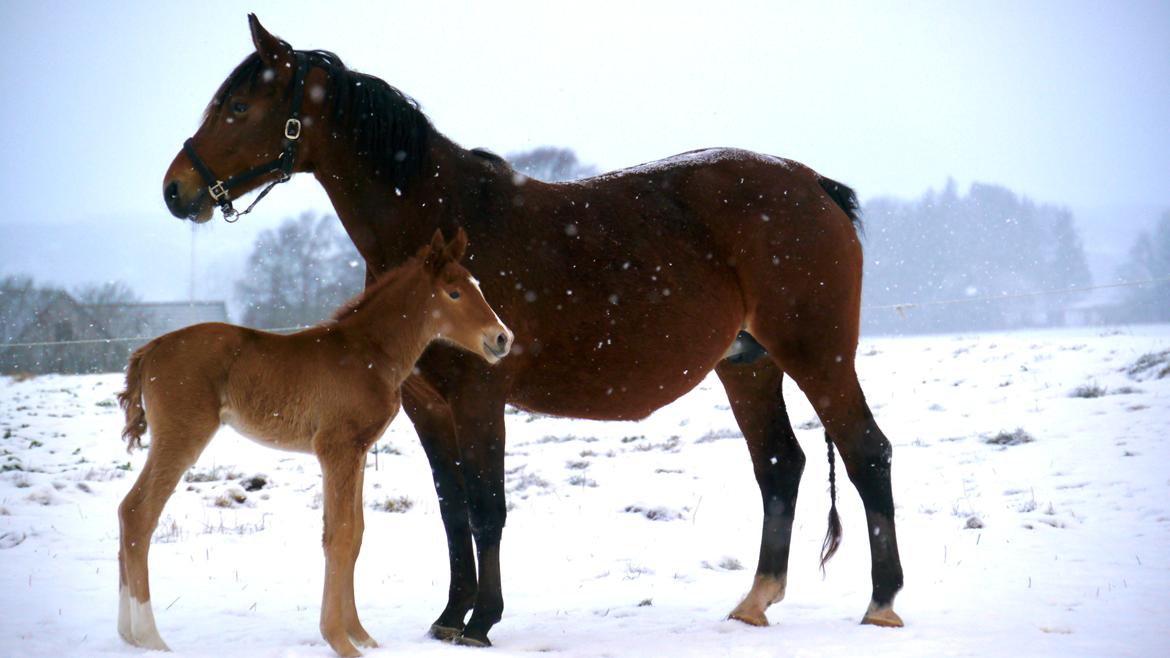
point(251, 132)
point(460, 313)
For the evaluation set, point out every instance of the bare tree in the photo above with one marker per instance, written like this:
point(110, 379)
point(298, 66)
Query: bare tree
point(1149, 259)
point(299, 272)
point(550, 164)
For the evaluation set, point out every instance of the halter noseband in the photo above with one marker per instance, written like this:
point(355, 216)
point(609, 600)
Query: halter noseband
point(220, 190)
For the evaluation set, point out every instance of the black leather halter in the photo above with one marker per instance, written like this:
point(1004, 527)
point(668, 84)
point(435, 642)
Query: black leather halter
point(220, 189)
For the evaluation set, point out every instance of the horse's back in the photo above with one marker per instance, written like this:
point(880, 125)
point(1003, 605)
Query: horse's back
point(639, 280)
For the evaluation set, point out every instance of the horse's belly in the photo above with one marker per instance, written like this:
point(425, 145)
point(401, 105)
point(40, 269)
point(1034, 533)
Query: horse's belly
point(626, 370)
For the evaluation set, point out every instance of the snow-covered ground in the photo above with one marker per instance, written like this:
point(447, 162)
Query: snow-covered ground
point(1055, 546)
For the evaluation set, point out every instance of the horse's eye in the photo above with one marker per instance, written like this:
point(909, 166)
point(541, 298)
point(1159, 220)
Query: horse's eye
point(239, 107)
point(454, 294)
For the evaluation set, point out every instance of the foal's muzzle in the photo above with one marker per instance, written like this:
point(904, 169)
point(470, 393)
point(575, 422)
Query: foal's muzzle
point(498, 345)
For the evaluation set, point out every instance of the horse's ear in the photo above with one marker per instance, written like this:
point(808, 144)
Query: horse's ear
point(272, 50)
point(456, 248)
point(432, 254)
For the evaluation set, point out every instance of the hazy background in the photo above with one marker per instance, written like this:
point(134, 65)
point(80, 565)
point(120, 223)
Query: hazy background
point(1066, 103)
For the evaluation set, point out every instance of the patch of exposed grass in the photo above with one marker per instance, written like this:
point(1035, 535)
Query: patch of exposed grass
point(654, 513)
point(213, 474)
point(1151, 365)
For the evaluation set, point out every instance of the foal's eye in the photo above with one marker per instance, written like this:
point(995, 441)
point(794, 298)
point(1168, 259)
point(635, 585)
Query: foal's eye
point(454, 294)
point(239, 107)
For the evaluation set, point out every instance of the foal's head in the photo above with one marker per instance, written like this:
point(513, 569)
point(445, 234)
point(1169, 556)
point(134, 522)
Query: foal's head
point(458, 311)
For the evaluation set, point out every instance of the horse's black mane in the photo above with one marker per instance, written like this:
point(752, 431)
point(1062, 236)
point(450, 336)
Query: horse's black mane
point(385, 126)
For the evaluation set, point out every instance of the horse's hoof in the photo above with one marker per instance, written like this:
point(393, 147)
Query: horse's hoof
point(751, 618)
point(445, 633)
point(884, 617)
point(465, 641)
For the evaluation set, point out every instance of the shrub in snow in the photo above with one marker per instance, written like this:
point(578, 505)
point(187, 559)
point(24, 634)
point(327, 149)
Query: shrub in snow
point(254, 483)
point(1087, 391)
point(398, 505)
point(974, 523)
point(582, 481)
point(1015, 438)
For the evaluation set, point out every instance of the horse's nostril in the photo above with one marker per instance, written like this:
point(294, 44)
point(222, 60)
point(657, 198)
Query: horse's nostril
point(172, 191)
point(501, 341)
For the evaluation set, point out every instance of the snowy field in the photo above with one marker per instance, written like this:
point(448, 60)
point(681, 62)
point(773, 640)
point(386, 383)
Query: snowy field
point(637, 539)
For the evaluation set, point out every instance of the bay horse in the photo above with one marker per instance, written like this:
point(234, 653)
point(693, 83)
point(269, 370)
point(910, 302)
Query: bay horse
point(330, 390)
point(625, 290)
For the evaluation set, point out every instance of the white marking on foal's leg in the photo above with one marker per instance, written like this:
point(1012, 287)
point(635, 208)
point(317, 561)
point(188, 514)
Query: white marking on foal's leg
point(124, 613)
point(765, 591)
point(142, 627)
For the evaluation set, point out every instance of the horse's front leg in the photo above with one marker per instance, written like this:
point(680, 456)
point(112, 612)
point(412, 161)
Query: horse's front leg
point(431, 416)
point(479, 425)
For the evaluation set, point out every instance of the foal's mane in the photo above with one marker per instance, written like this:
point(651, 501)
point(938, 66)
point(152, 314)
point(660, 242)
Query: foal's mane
point(386, 127)
point(363, 298)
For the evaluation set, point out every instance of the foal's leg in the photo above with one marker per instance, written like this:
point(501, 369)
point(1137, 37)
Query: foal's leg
point(341, 462)
point(171, 453)
point(353, 625)
point(436, 431)
point(755, 391)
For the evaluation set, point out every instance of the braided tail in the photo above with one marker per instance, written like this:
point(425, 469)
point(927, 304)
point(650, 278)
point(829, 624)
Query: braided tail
point(833, 534)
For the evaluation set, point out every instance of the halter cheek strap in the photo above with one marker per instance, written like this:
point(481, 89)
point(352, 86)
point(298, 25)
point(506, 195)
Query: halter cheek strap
point(220, 189)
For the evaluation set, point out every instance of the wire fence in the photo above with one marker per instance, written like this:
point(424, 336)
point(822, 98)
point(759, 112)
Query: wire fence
point(111, 354)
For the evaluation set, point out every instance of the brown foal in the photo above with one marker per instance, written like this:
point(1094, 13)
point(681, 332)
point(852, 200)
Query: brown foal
point(330, 390)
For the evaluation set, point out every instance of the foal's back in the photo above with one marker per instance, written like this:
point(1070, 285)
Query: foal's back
point(279, 390)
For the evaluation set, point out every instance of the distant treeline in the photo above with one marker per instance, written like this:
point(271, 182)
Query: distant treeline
point(943, 255)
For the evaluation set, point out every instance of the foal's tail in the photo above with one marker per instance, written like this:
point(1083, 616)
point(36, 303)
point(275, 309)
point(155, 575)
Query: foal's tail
point(833, 534)
point(131, 400)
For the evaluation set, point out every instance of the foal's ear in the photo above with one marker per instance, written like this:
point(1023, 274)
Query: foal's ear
point(272, 50)
point(456, 248)
point(432, 254)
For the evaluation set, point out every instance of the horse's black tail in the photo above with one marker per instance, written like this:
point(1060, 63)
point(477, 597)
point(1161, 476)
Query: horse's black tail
point(845, 198)
point(833, 534)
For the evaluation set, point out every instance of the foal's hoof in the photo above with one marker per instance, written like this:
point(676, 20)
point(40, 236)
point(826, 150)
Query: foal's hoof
point(751, 617)
point(465, 641)
point(445, 633)
point(366, 643)
point(885, 617)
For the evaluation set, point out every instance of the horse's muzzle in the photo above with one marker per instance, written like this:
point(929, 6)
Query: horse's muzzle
point(194, 209)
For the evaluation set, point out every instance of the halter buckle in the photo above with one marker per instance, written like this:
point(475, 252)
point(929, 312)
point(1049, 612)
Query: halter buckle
point(218, 192)
point(292, 129)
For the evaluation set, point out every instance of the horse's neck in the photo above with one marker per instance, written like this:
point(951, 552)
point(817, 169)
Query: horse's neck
point(395, 323)
point(387, 224)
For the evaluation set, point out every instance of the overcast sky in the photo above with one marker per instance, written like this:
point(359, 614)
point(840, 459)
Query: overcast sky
point(1067, 102)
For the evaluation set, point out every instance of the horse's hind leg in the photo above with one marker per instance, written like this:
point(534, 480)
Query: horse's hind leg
point(171, 453)
point(823, 368)
point(754, 388)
